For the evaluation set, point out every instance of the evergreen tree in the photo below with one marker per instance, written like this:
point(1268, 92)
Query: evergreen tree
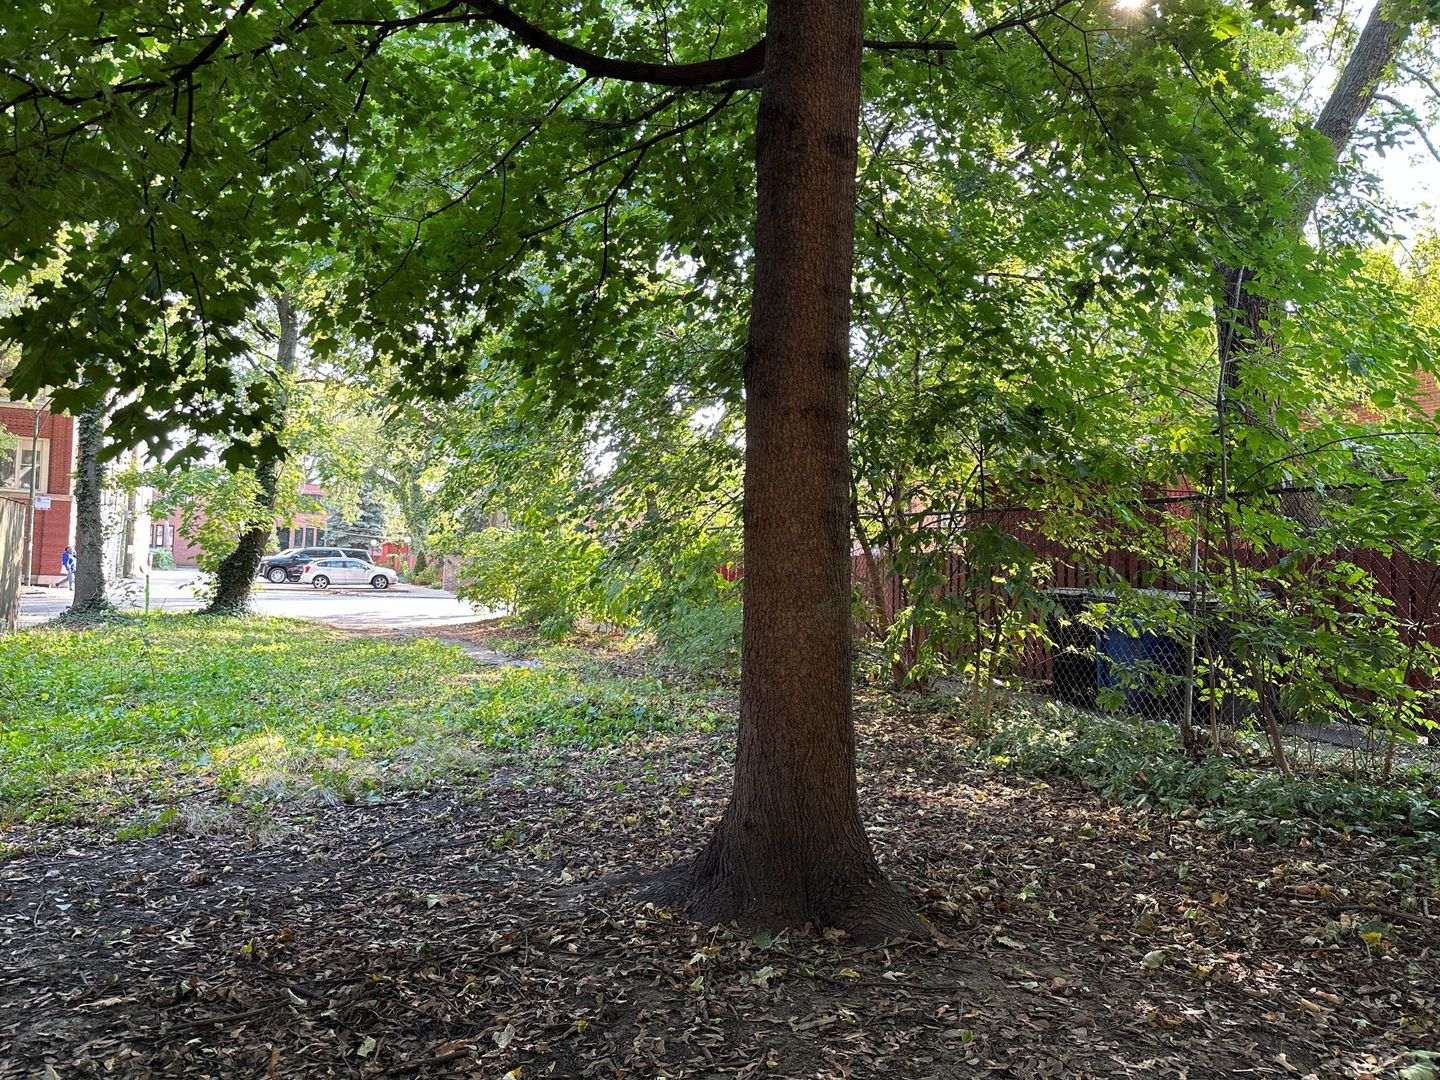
point(366, 529)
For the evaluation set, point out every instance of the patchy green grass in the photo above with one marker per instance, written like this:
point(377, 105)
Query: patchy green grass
point(140, 710)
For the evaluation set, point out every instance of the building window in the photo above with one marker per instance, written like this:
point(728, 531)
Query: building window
point(282, 537)
point(18, 462)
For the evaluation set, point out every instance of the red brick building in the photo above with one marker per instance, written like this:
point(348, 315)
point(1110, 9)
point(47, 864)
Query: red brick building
point(305, 529)
point(1427, 393)
point(51, 446)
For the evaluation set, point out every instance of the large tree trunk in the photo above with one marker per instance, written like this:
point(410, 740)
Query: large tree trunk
point(790, 848)
point(235, 577)
point(132, 512)
point(1244, 317)
point(89, 514)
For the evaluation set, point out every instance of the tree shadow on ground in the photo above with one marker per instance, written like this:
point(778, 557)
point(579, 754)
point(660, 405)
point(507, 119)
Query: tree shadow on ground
point(471, 931)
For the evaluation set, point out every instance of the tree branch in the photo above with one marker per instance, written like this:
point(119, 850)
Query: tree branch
point(1024, 18)
point(738, 71)
point(1408, 115)
point(1422, 78)
point(1363, 436)
point(741, 65)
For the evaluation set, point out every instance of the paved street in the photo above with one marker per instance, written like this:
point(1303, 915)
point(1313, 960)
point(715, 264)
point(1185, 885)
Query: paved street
point(400, 607)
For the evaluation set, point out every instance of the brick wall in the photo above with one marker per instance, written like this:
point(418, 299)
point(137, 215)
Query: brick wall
point(304, 530)
point(185, 552)
point(1426, 397)
point(1427, 393)
point(53, 527)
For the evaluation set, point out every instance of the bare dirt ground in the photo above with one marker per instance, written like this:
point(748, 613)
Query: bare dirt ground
point(477, 930)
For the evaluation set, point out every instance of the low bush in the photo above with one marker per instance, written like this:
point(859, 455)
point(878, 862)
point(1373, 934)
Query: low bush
point(702, 638)
point(1141, 764)
point(428, 576)
point(548, 579)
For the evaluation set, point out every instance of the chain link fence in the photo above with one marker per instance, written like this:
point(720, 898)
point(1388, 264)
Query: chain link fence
point(1166, 629)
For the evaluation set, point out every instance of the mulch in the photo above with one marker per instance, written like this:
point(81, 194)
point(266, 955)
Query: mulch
point(485, 928)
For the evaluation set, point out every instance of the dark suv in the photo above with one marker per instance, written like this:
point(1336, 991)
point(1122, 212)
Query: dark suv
point(286, 566)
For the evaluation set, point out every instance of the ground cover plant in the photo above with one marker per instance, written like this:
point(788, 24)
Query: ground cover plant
point(1140, 763)
point(489, 922)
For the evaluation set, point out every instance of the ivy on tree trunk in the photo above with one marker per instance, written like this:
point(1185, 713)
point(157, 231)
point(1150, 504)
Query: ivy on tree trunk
point(89, 597)
point(235, 577)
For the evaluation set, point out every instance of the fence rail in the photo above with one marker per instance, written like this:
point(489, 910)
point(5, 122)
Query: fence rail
point(12, 557)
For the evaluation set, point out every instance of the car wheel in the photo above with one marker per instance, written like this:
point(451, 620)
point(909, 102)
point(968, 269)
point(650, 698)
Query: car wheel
point(277, 574)
point(379, 581)
point(320, 581)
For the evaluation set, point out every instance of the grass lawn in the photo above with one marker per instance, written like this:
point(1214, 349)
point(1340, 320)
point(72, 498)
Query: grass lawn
point(141, 710)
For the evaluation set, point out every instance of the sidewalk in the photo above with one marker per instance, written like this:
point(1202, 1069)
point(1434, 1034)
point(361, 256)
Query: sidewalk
point(404, 607)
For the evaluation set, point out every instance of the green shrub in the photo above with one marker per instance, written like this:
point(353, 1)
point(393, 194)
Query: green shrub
point(1142, 764)
point(550, 578)
point(702, 637)
point(161, 559)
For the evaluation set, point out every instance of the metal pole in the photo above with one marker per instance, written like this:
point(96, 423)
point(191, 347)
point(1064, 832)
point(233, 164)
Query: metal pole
point(1187, 723)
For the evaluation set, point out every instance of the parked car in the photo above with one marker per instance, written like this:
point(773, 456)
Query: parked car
point(322, 573)
point(286, 565)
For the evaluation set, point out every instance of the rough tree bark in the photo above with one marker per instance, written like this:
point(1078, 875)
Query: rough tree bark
point(235, 577)
point(1243, 316)
point(132, 510)
point(790, 848)
point(89, 596)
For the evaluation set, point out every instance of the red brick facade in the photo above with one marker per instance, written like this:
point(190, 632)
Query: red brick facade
point(307, 529)
point(1427, 393)
point(171, 537)
point(53, 527)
